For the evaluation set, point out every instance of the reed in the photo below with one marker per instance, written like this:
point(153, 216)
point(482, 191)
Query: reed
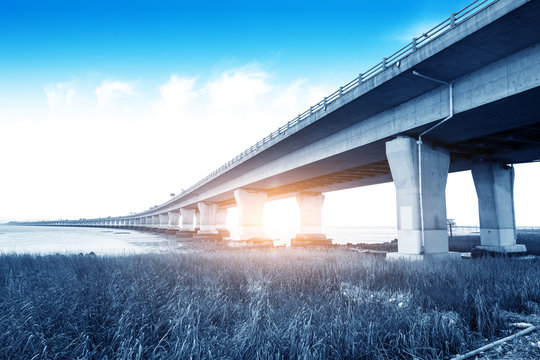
point(255, 304)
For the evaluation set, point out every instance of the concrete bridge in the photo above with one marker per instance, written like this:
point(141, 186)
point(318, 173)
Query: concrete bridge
point(464, 95)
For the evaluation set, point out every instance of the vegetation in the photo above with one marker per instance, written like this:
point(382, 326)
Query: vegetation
point(466, 243)
point(251, 304)
point(463, 243)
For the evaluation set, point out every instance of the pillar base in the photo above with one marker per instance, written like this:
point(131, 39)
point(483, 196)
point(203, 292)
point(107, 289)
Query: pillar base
point(253, 243)
point(498, 237)
point(493, 250)
point(224, 233)
point(419, 257)
point(311, 240)
point(185, 234)
point(207, 236)
point(171, 231)
point(208, 232)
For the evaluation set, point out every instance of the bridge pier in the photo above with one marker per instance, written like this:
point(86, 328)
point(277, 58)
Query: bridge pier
point(197, 220)
point(250, 217)
point(174, 219)
point(206, 218)
point(221, 222)
point(402, 154)
point(494, 183)
point(186, 228)
point(310, 205)
point(142, 223)
point(163, 221)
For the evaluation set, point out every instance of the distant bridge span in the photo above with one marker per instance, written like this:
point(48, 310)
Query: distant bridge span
point(478, 70)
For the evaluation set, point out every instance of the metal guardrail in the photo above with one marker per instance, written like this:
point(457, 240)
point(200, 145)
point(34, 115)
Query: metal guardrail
point(416, 43)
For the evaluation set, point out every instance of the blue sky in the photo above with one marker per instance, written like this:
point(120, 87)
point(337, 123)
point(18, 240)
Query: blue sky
point(46, 40)
point(92, 92)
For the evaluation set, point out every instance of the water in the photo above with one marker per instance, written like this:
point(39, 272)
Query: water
point(50, 240)
point(339, 235)
point(101, 241)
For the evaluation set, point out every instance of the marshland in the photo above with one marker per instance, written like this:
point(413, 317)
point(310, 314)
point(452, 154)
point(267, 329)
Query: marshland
point(282, 303)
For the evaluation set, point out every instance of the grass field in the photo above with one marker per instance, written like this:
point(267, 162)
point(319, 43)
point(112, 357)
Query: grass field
point(253, 304)
point(465, 243)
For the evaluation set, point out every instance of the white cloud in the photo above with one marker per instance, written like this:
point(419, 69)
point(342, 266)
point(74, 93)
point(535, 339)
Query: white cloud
point(289, 95)
point(238, 87)
point(176, 96)
point(59, 94)
point(177, 91)
point(111, 90)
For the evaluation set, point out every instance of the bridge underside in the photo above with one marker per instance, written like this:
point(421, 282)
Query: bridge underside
point(485, 133)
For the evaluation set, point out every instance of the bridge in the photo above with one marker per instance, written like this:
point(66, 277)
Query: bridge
point(463, 96)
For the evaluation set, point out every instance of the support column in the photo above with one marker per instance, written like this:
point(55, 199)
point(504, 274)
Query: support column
point(206, 217)
point(186, 227)
point(163, 221)
point(174, 219)
point(403, 156)
point(250, 216)
point(494, 183)
point(221, 222)
point(310, 205)
point(155, 221)
point(197, 220)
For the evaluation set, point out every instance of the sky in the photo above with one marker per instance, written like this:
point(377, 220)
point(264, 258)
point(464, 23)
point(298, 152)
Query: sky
point(107, 107)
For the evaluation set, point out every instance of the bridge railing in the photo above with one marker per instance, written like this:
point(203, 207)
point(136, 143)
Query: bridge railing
point(416, 43)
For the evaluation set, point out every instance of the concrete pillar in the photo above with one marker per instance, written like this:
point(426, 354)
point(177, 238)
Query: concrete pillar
point(197, 220)
point(207, 215)
point(221, 218)
point(155, 221)
point(174, 218)
point(149, 221)
point(310, 206)
point(494, 183)
point(250, 213)
point(187, 219)
point(402, 154)
point(163, 221)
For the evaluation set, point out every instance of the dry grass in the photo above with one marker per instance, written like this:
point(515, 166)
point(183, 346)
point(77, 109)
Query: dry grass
point(255, 304)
